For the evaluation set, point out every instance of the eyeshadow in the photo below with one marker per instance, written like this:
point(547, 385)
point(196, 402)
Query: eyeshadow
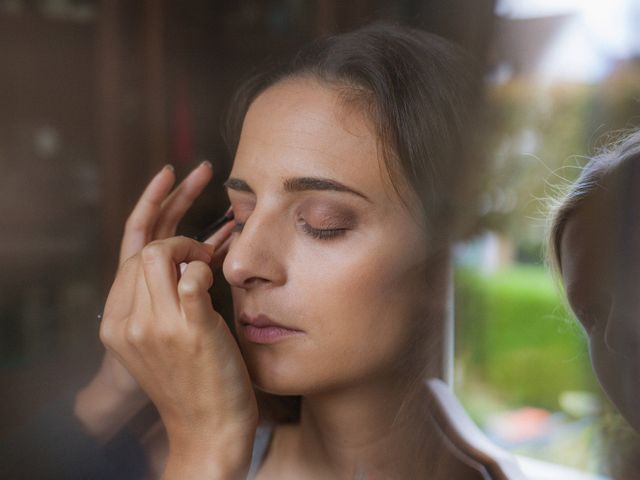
point(328, 215)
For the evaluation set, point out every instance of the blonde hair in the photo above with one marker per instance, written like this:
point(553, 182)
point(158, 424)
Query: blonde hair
point(609, 161)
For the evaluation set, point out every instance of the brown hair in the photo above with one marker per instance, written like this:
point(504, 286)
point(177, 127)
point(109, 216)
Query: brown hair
point(420, 92)
point(613, 159)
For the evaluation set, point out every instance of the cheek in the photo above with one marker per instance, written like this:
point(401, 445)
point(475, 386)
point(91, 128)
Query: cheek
point(368, 298)
point(604, 365)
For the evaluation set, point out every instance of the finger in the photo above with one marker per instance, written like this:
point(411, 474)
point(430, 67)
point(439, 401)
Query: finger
point(160, 260)
point(140, 223)
point(220, 254)
point(193, 291)
point(179, 201)
point(221, 236)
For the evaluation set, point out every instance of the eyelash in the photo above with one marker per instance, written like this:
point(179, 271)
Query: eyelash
point(317, 233)
point(323, 234)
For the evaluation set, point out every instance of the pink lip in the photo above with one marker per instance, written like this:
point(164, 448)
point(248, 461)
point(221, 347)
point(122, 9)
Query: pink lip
point(261, 329)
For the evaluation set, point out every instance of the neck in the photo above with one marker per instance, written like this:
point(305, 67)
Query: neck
point(367, 431)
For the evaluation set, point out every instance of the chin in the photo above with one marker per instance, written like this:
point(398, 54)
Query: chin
point(628, 409)
point(289, 376)
point(631, 415)
point(625, 399)
point(273, 374)
point(275, 385)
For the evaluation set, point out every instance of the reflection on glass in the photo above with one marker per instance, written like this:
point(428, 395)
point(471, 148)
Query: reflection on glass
point(595, 245)
point(565, 74)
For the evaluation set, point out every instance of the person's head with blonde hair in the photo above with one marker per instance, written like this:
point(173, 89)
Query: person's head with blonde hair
point(594, 244)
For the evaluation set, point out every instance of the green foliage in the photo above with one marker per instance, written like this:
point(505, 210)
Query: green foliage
point(535, 138)
point(617, 102)
point(538, 138)
point(515, 336)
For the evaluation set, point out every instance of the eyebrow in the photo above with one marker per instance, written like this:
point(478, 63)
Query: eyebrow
point(298, 184)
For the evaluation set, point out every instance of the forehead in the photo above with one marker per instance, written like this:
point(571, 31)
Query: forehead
point(588, 248)
point(302, 128)
point(588, 229)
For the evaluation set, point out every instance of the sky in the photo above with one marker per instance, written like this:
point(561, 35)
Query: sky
point(599, 33)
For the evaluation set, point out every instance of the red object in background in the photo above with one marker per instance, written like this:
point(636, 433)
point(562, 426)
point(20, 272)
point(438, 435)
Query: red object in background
point(522, 425)
point(183, 124)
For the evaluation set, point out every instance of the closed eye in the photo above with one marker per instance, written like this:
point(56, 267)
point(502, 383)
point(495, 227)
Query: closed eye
point(317, 233)
point(323, 233)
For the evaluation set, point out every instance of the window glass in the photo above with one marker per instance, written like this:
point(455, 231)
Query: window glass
point(565, 75)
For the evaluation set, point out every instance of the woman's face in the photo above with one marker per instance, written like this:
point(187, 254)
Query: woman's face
point(601, 272)
point(324, 247)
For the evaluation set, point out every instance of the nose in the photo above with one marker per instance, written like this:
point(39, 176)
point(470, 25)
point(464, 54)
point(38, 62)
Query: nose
point(256, 254)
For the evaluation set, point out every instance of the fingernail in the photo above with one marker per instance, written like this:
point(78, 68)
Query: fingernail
point(208, 164)
point(168, 166)
point(229, 213)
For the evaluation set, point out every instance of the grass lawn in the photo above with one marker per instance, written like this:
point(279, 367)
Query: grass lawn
point(515, 336)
